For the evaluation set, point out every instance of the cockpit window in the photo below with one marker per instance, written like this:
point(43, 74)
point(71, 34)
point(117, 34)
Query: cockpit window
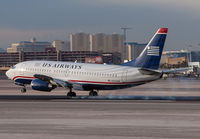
point(13, 67)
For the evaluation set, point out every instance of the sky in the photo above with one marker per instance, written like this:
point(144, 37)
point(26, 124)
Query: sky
point(49, 20)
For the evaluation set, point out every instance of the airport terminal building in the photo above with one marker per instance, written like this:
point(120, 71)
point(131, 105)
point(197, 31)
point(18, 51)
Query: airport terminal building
point(29, 46)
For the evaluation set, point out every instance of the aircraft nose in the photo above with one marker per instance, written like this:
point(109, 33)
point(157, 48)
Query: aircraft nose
point(8, 74)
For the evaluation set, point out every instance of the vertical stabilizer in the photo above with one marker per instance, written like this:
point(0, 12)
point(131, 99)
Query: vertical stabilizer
point(151, 55)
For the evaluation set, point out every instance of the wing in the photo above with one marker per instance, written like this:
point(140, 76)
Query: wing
point(53, 81)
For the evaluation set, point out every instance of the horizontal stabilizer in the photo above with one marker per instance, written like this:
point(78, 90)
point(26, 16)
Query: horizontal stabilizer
point(150, 72)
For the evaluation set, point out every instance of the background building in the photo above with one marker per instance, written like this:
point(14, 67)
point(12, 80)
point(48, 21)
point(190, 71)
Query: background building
point(28, 46)
point(175, 54)
point(10, 59)
point(195, 56)
point(175, 59)
point(2, 50)
point(98, 42)
point(80, 42)
point(134, 49)
point(60, 45)
point(115, 43)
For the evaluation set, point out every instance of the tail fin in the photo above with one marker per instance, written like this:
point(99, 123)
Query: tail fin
point(150, 56)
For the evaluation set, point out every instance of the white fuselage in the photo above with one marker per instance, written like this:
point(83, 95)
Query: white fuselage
point(81, 73)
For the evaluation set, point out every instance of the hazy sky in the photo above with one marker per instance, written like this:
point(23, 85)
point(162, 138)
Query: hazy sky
point(49, 20)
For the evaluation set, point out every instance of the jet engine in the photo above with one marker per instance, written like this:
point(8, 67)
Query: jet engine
point(40, 85)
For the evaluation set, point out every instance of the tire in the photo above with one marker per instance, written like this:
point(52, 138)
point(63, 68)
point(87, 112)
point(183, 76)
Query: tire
point(93, 93)
point(23, 90)
point(71, 94)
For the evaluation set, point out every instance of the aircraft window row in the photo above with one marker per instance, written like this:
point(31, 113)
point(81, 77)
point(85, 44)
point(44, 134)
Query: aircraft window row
point(60, 71)
point(99, 74)
point(38, 70)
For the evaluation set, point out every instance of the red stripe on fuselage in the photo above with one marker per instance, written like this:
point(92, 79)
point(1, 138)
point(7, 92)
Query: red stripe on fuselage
point(95, 82)
point(23, 77)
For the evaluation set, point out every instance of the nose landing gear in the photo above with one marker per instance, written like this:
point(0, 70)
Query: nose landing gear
point(23, 90)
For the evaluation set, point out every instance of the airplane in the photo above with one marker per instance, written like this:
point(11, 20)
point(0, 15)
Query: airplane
point(48, 75)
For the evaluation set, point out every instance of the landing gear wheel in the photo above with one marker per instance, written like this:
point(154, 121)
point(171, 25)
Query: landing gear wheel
point(71, 94)
point(93, 93)
point(23, 90)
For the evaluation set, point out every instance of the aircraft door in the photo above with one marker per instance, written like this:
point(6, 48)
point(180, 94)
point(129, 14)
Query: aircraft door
point(22, 69)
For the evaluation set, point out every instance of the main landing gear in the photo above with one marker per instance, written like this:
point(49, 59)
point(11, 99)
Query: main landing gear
point(70, 93)
point(73, 94)
point(93, 93)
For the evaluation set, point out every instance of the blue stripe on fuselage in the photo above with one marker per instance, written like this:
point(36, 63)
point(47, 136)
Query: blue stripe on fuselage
point(88, 87)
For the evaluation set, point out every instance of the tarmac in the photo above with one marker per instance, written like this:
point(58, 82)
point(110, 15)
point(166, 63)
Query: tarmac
point(114, 114)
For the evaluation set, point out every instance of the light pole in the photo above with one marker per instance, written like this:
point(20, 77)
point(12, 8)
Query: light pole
point(190, 46)
point(190, 54)
point(125, 43)
point(125, 31)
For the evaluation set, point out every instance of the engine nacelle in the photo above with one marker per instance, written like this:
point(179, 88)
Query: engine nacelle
point(40, 85)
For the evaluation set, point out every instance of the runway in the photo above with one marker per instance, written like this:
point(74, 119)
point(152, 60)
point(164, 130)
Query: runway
point(106, 97)
point(156, 110)
point(89, 119)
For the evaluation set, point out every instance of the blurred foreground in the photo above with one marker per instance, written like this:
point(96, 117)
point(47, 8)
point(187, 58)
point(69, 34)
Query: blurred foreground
point(168, 87)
